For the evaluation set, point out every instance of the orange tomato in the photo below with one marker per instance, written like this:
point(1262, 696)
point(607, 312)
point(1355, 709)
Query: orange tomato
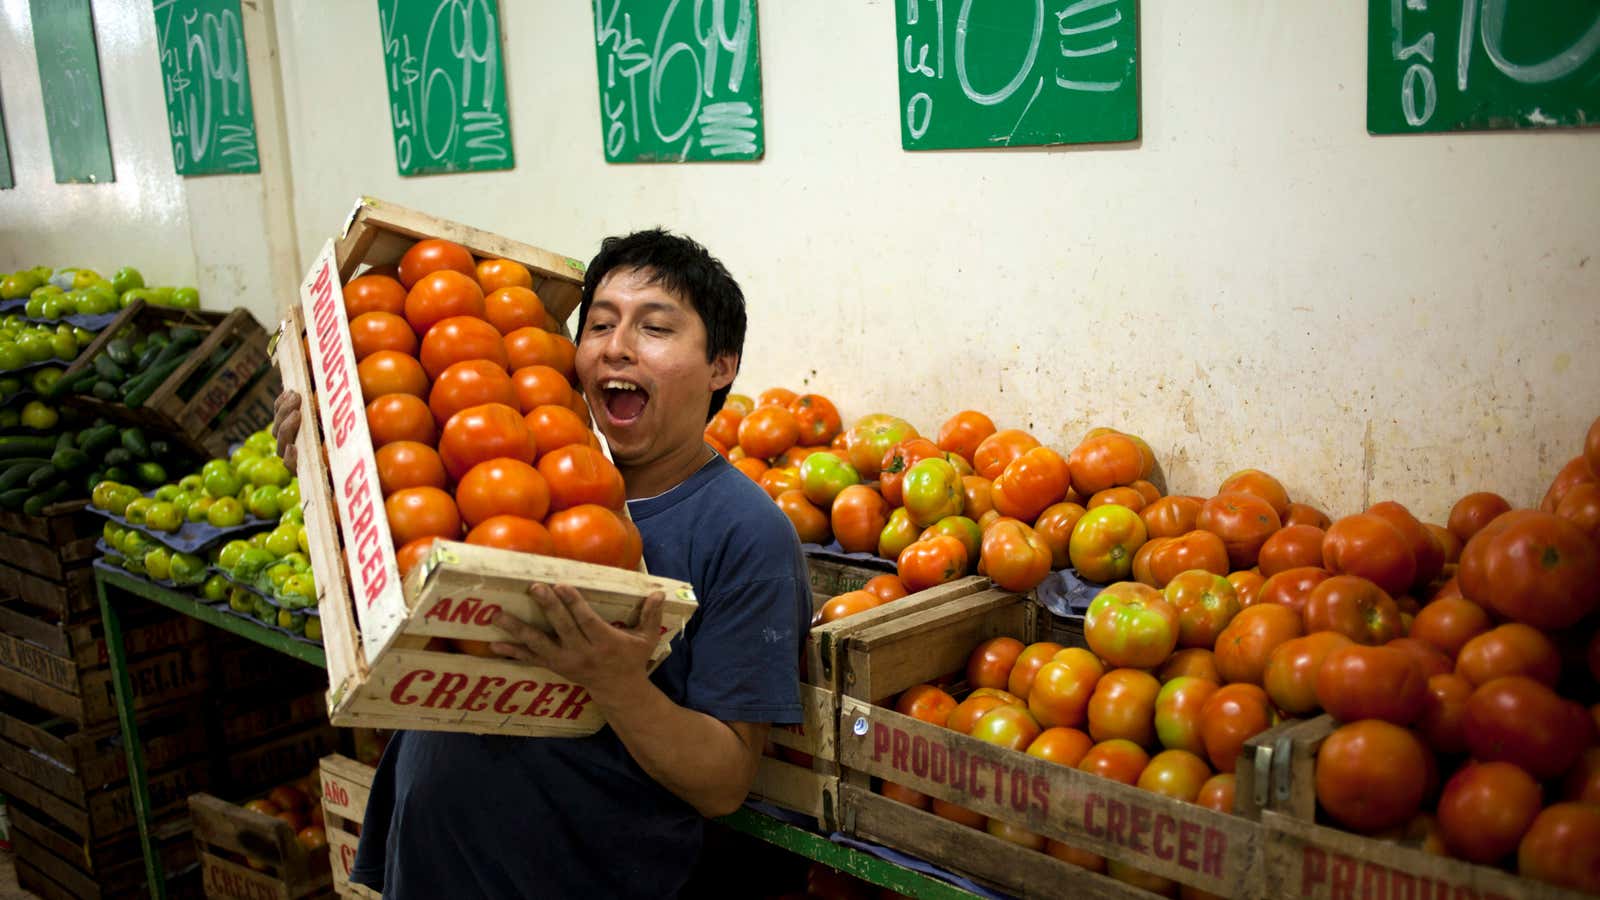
point(1171, 516)
point(777, 480)
point(1255, 481)
point(1246, 584)
point(554, 427)
point(887, 587)
point(931, 562)
point(494, 274)
point(1249, 639)
point(1243, 520)
point(412, 553)
point(858, 516)
point(512, 533)
point(440, 296)
point(594, 534)
point(460, 338)
point(996, 451)
point(818, 419)
point(1121, 496)
point(471, 382)
point(1105, 460)
point(408, 464)
point(752, 468)
point(847, 604)
point(739, 403)
point(422, 512)
point(378, 330)
point(775, 397)
point(388, 372)
point(768, 431)
point(1054, 526)
point(497, 487)
point(435, 255)
point(582, 475)
point(510, 308)
point(537, 347)
point(480, 433)
point(400, 417)
point(1123, 705)
point(1197, 662)
point(373, 293)
point(1118, 759)
point(724, 426)
point(1231, 716)
point(1305, 514)
point(990, 663)
point(969, 711)
point(1291, 547)
point(541, 386)
point(963, 432)
point(1027, 665)
point(1033, 481)
point(810, 523)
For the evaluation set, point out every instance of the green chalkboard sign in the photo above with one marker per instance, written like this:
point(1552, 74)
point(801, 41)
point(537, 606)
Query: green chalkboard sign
point(206, 77)
point(447, 87)
point(1474, 65)
point(69, 78)
point(6, 182)
point(1017, 73)
point(680, 80)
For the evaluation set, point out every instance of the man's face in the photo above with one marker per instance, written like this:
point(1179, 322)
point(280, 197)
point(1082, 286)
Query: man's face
point(642, 365)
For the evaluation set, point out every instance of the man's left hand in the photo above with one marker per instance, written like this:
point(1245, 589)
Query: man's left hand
point(586, 648)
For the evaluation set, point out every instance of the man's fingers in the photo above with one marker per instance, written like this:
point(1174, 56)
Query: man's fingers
point(558, 614)
point(650, 616)
point(583, 615)
point(286, 401)
point(291, 459)
point(515, 651)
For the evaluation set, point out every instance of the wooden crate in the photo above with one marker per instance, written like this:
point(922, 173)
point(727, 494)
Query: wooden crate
point(49, 560)
point(1202, 848)
point(109, 812)
point(1307, 859)
point(63, 655)
point(345, 786)
point(832, 576)
point(248, 413)
point(253, 770)
point(268, 713)
point(250, 856)
point(179, 405)
point(60, 524)
point(74, 764)
point(69, 598)
point(55, 864)
point(157, 679)
point(375, 630)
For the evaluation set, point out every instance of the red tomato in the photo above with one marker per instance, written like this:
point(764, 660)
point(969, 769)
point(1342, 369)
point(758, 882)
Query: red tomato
point(421, 512)
point(1562, 847)
point(470, 383)
point(847, 604)
point(1372, 547)
point(512, 533)
point(1581, 507)
point(1178, 774)
point(969, 711)
point(440, 295)
point(593, 534)
point(1583, 782)
point(1060, 693)
point(900, 458)
point(1131, 624)
point(902, 794)
point(1533, 567)
point(1354, 607)
point(1447, 541)
point(1054, 526)
point(373, 293)
point(817, 417)
point(1429, 556)
point(1428, 657)
point(1291, 674)
point(1206, 603)
point(1104, 541)
point(1292, 587)
point(1244, 522)
point(1449, 623)
point(407, 464)
point(857, 517)
point(1485, 810)
point(1030, 483)
point(1124, 706)
point(1196, 662)
point(1291, 547)
point(375, 331)
point(1371, 775)
point(485, 432)
point(499, 487)
point(1117, 759)
point(1574, 473)
point(1304, 514)
point(887, 587)
point(1015, 834)
point(926, 702)
point(1062, 746)
point(963, 432)
point(1474, 511)
point(1247, 585)
point(1520, 721)
point(871, 437)
point(1218, 792)
point(977, 499)
point(434, 255)
point(458, 339)
point(1067, 853)
point(1244, 646)
point(1444, 712)
point(1195, 550)
point(1014, 555)
point(1171, 516)
point(578, 474)
point(768, 431)
point(810, 523)
point(990, 663)
point(932, 562)
point(1105, 460)
point(1511, 649)
point(958, 814)
point(1234, 714)
point(1177, 714)
point(1028, 664)
point(1357, 682)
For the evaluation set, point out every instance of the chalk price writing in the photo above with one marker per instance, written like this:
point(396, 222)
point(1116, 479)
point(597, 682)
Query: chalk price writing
point(207, 82)
point(446, 88)
point(718, 61)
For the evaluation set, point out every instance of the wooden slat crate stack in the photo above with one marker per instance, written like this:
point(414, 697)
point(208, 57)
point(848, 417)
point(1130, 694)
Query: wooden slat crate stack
point(345, 785)
point(245, 854)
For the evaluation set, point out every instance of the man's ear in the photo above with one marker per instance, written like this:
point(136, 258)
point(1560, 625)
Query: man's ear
point(723, 370)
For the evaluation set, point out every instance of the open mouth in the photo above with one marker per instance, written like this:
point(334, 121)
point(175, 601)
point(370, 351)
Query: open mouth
point(625, 400)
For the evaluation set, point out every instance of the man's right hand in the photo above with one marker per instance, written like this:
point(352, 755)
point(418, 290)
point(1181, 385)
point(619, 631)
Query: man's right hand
point(286, 425)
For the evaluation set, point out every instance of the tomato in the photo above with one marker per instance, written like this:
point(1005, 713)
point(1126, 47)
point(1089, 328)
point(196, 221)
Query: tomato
point(1062, 746)
point(1291, 547)
point(1474, 511)
point(1574, 473)
point(537, 347)
point(373, 293)
point(1028, 664)
point(579, 475)
point(1014, 555)
point(1031, 483)
point(413, 552)
point(1116, 759)
point(1485, 810)
point(1055, 526)
point(1178, 774)
point(1259, 483)
point(536, 386)
point(1243, 521)
point(1061, 689)
point(724, 426)
point(768, 431)
point(1429, 556)
point(502, 487)
point(422, 512)
point(1105, 460)
point(1428, 657)
point(857, 517)
point(1074, 856)
point(1015, 834)
point(1562, 847)
point(926, 702)
point(400, 417)
point(512, 307)
point(958, 814)
point(1303, 514)
point(1511, 649)
point(1358, 682)
point(871, 437)
point(817, 417)
point(1234, 714)
point(1244, 646)
point(1372, 547)
point(1448, 623)
point(1131, 625)
point(1206, 602)
point(1520, 721)
point(1448, 543)
point(848, 604)
point(1581, 507)
point(1292, 587)
point(470, 383)
point(996, 451)
point(1371, 775)
point(898, 533)
point(461, 338)
point(1006, 726)
point(1104, 541)
point(1444, 712)
point(1177, 713)
point(434, 255)
point(1533, 567)
point(977, 496)
point(931, 491)
point(1171, 516)
point(740, 403)
point(902, 794)
point(1354, 607)
point(823, 476)
point(442, 295)
point(408, 464)
point(1196, 662)
point(969, 711)
point(963, 432)
point(810, 523)
point(512, 533)
point(1200, 550)
point(1147, 491)
point(1290, 677)
point(1583, 781)
point(388, 372)
point(1247, 585)
point(1124, 706)
point(900, 458)
point(494, 274)
point(374, 331)
point(1121, 496)
point(1218, 792)
point(990, 663)
point(554, 427)
point(594, 534)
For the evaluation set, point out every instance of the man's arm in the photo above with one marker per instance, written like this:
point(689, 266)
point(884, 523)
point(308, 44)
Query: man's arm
point(704, 761)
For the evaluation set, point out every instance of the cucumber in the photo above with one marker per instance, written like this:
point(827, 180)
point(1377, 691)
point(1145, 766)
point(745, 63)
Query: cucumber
point(94, 440)
point(69, 459)
point(35, 505)
point(108, 368)
point(117, 474)
point(43, 477)
point(66, 440)
point(134, 442)
point(92, 479)
point(14, 498)
point(121, 352)
point(18, 470)
point(118, 456)
point(151, 380)
point(183, 334)
point(13, 446)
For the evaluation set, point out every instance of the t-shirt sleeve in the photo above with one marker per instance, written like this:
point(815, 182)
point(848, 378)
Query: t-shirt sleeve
point(745, 662)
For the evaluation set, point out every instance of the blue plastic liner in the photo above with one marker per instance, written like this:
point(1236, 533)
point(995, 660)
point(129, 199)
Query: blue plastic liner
point(192, 537)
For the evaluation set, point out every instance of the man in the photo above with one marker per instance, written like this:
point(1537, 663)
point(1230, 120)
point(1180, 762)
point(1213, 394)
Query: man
point(619, 814)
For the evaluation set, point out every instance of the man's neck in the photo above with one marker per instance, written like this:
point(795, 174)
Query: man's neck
point(659, 476)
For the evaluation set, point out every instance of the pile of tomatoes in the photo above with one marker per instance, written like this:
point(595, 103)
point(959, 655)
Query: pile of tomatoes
point(977, 498)
point(477, 429)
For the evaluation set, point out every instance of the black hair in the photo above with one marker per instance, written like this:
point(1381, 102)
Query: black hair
point(684, 267)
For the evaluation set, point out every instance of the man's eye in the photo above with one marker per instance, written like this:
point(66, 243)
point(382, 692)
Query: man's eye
point(658, 329)
point(597, 326)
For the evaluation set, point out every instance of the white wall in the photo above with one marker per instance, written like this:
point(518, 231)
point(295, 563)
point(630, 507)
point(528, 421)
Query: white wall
point(1256, 283)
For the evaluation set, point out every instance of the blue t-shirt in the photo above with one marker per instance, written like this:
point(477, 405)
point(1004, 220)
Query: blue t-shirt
point(463, 815)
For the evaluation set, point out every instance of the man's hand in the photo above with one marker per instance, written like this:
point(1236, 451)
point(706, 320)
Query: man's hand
point(286, 426)
point(607, 660)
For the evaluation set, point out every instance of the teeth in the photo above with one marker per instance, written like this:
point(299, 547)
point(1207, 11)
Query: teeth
point(614, 384)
